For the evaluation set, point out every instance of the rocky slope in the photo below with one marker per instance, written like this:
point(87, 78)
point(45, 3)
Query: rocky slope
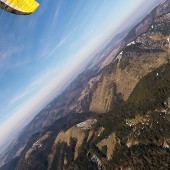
point(117, 87)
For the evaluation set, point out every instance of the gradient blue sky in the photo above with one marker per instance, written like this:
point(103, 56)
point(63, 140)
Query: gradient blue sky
point(39, 52)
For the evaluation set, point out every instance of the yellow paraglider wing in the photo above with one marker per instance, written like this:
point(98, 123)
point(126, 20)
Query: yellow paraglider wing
point(21, 7)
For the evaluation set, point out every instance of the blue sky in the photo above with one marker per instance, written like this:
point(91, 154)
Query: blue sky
point(40, 52)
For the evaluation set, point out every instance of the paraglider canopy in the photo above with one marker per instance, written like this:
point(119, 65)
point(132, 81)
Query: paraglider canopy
point(20, 7)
